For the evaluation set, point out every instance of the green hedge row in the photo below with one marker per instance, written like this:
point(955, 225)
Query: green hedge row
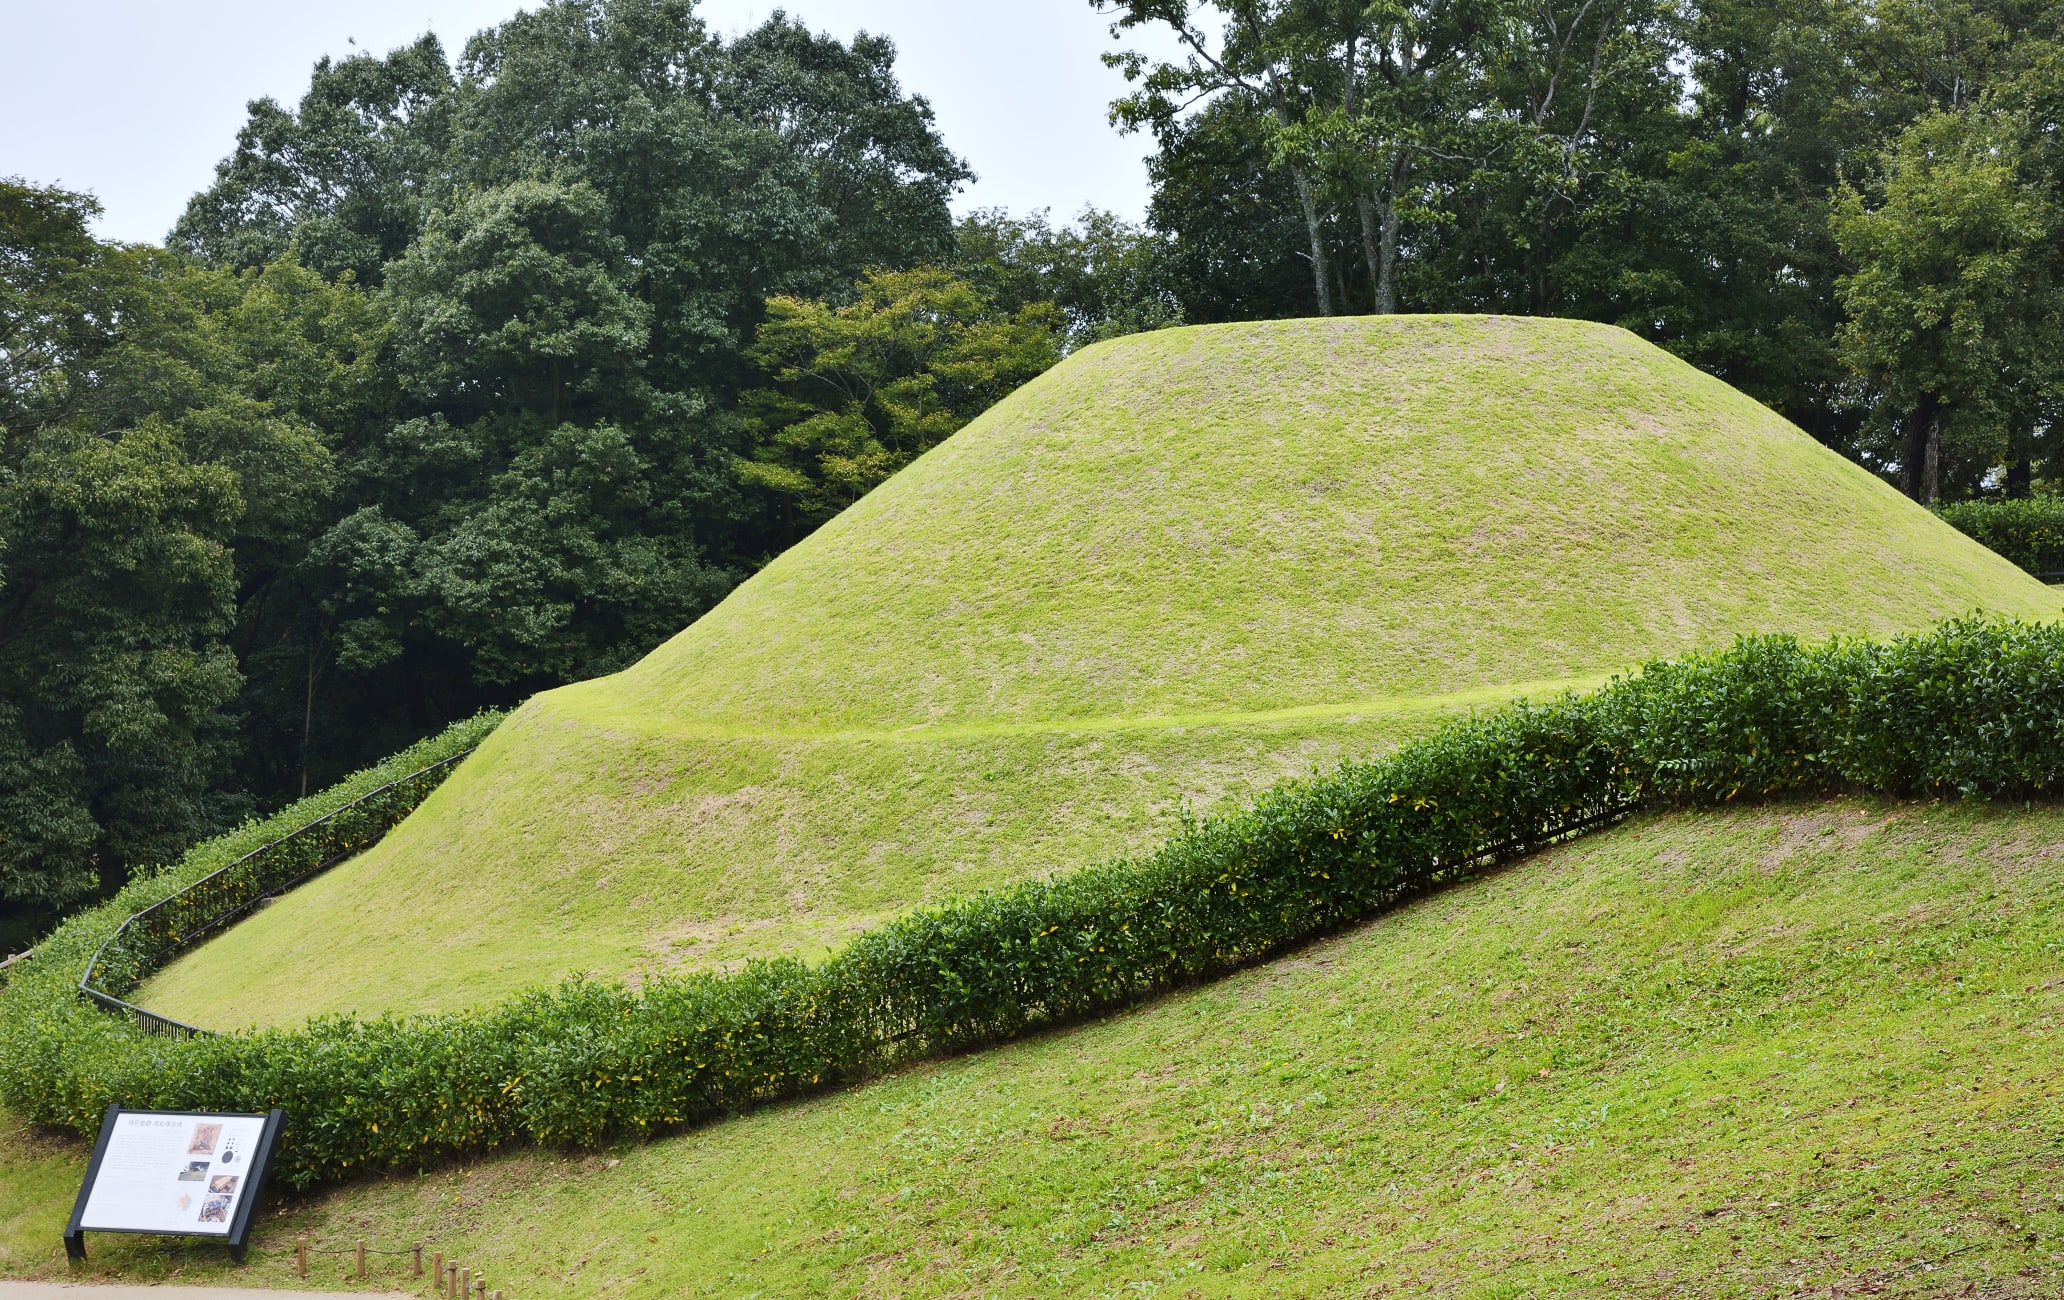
point(40, 1008)
point(2028, 531)
point(1973, 708)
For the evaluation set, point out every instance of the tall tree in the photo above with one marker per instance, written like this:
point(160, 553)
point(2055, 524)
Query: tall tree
point(344, 179)
point(576, 232)
point(1390, 86)
point(1952, 306)
point(1257, 57)
point(861, 389)
point(1234, 234)
point(1483, 125)
point(152, 421)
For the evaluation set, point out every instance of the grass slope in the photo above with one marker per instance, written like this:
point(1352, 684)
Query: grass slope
point(1177, 566)
point(1725, 1054)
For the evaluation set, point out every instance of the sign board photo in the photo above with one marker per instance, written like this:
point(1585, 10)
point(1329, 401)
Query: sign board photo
point(175, 1173)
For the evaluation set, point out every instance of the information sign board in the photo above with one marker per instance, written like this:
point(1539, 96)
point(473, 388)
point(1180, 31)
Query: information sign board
point(175, 1173)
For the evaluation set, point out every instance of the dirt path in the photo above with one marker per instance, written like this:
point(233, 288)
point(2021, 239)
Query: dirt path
point(171, 1291)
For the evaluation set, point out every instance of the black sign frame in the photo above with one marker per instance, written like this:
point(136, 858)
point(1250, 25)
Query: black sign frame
point(240, 1222)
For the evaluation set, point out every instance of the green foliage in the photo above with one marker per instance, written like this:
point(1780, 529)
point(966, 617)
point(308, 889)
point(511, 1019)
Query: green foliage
point(864, 388)
point(2027, 530)
point(1950, 310)
point(1972, 708)
point(336, 181)
point(75, 942)
point(519, 298)
point(1108, 277)
point(159, 423)
point(575, 233)
point(534, 518)
point(153, 935)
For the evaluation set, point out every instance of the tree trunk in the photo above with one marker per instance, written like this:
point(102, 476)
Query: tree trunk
point(2020, 478)
point(1931, 476)
point(1322, 270)
point(1370, 254)
point(1379, 246)
point(1919, 464)
point(1386, 288)
point(307, 721)
point(1380, 239)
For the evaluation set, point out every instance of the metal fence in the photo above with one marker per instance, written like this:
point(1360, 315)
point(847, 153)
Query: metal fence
point(147, 940)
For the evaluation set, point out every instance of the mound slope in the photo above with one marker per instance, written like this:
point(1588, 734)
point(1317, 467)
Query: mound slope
point(1792, 1049)
point(1178, 566)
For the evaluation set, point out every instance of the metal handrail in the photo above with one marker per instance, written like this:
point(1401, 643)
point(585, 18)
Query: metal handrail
point(150, 1021)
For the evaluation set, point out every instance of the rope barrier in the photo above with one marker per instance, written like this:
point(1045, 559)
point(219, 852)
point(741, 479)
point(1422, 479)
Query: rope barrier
point(447, 1278)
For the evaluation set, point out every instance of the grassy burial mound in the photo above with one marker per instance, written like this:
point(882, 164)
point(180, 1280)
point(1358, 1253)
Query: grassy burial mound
point(1179, 566)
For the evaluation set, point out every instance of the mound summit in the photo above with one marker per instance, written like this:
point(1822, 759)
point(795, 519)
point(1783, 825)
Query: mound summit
point(1177, 567)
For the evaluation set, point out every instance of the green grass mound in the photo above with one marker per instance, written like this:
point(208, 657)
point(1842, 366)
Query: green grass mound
point(1179, 566)
point(1741, 1053)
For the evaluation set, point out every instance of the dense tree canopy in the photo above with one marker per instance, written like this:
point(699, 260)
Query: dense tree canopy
point(431, 403)
point(161, 436)
point(1950, 312)
point(862, 389)
point(574, 233)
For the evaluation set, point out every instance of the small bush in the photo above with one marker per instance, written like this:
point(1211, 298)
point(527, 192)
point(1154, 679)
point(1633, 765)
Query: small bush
point(1974, 708)
point(2028, 531)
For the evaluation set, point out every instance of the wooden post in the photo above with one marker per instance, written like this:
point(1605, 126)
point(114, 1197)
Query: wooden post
point(465, 1285)
point(416, 1260)
point(360, 1253)
point(480, 1288)
point(437, 1271)
point(301, 1255)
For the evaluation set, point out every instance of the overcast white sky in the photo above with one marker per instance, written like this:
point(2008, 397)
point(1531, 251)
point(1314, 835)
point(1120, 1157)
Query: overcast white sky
point(136, 100)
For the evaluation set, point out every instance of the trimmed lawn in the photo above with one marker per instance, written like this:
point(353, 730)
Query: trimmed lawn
point(1734, 1053)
